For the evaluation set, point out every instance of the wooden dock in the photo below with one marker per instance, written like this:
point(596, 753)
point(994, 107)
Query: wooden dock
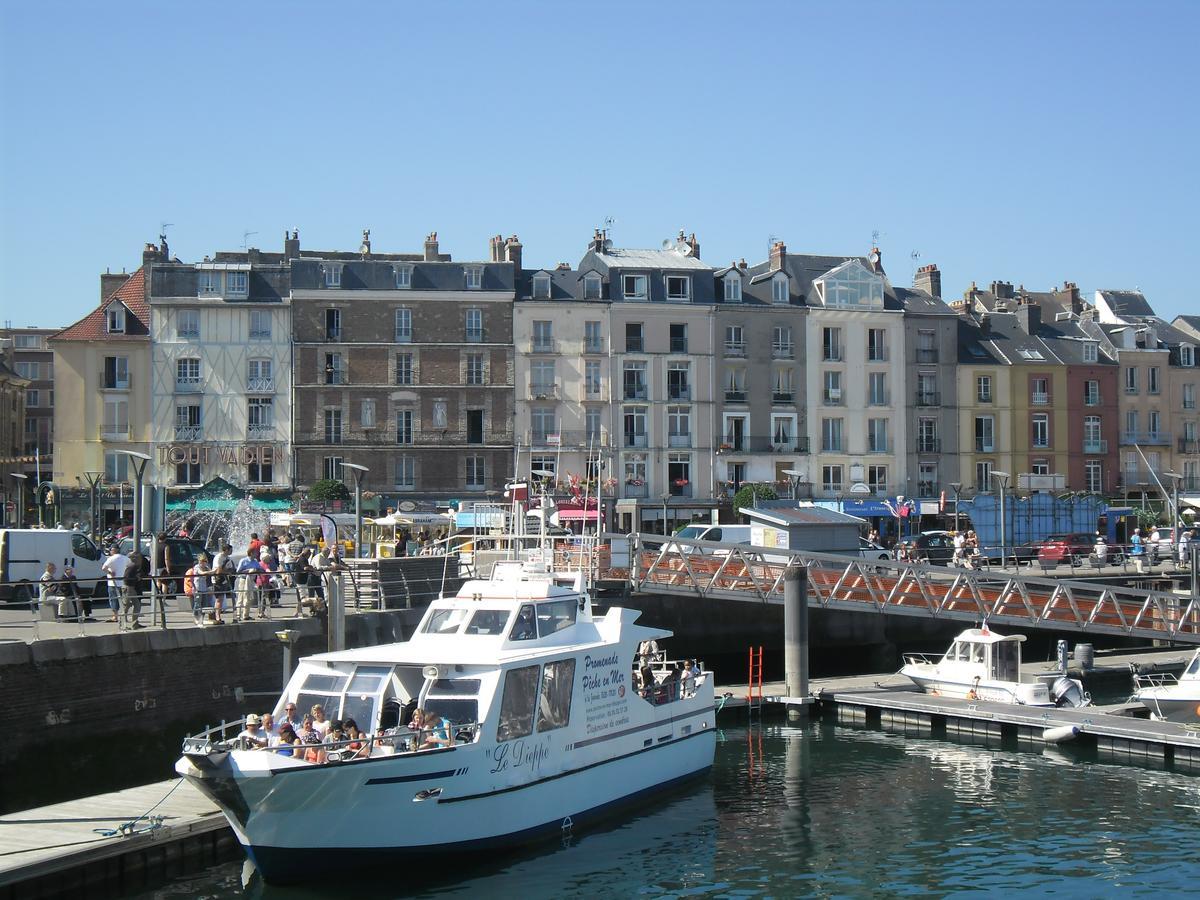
point(62, 850)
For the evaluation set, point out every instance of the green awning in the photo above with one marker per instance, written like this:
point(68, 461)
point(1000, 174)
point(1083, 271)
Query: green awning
point(226, 505)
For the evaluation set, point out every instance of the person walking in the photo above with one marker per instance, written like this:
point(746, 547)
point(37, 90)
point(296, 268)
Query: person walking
point(114, 567)
point(131, 599)
point(1185, 541)
point(223, 574)
point(248, 571)
point(202, 587)
point(1137, 549)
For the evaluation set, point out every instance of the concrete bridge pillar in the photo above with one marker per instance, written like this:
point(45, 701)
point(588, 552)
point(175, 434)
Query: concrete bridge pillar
point(795, 636)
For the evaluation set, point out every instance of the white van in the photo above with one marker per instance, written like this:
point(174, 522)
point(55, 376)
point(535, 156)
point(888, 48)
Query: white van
point(726, 534)
point(24, 553)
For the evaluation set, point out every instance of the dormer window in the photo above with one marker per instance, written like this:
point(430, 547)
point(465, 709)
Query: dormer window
point(474, 277)
point(679, 287)
point(237, 284)
point(114, 319)
point(404, 278)
point(208, 284)
point(733, 288)
point(779, 289)
point(850, 285)
point(1187, 355)
point(1091, 352)
point(541, 286)
point(333, 275)
point(634, 287)
point(591, 286)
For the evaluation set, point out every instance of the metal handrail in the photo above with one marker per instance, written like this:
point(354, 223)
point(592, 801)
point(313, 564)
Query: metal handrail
point(205, 741)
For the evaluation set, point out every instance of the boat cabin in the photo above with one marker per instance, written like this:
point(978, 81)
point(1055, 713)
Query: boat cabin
point(998, 655)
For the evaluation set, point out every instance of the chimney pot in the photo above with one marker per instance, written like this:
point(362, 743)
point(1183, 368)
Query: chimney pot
point(431, 247)
point(778, 256)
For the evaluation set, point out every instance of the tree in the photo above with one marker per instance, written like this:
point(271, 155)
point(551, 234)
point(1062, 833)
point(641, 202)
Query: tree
point(748, 493)
point(328, 490)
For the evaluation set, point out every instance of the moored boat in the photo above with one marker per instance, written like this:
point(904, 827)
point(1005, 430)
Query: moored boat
point(984, 665)
point(1169, 698)
point(549, 719)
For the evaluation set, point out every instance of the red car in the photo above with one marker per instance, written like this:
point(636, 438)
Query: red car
point(1061, 549)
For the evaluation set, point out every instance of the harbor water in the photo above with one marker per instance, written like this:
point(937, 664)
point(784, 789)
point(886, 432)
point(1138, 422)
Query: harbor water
point(826, 810)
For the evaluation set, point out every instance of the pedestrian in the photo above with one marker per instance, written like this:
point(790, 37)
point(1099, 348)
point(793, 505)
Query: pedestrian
point(1137, 549)
point(1185, 539)
point(72, 605)
point(114, 567)
point(295, 547)
point(223, 575)
point(248, 593)
point(131, 599)
point(202, 587)
point(48, 591)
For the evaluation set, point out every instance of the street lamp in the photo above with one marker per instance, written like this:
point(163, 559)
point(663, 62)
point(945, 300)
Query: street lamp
point(956, 486)
point(21, 479)
point(665, 499)
point(1176, 520)
point(1003, 479)
point(139, 461)
point(359, 472)
point(94, 479)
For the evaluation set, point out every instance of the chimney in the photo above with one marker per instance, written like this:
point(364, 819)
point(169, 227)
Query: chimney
point(1070, 287)
point(110, 282)
point(149, 254)
point(742, 264)
point(164, 252)
point(1029, 317)
point(253, 255)
point(985, 324)
point(431, 247)
point(1002, 290)
point(496, 249)
point(563, 267)
point(929, 280)
point(512, 252)
point(778, 256)
point(694, 244)
point(599, 238)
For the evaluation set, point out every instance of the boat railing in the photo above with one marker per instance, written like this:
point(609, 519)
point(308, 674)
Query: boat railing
point(665, 688)
point(922, 659)
point(1154, 680)
point(400, 741)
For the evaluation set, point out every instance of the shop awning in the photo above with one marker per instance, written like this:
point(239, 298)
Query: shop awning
point(1193, 501)
point(576, 515)
point(224, 504)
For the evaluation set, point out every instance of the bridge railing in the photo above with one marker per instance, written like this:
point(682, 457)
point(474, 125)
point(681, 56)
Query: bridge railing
point(670, 565)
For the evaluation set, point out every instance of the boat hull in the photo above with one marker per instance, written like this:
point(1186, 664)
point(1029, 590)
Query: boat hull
point(940, 684)
point(1170, 708)
point(290, 820)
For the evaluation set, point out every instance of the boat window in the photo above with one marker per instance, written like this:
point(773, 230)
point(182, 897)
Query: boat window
point(1005, 666)
point(456, 712)
point(958, 650)
point(330, 683)
point(367, 679)
point(488, 621)
point(1194, 668)
point(445, 621)
point(556, 616)
point(360, 708)
point(455, 686)
point(976, 653)
point(554, 710)
point(516, 708)
point(525, 627)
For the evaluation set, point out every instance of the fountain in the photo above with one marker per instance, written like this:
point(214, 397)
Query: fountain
point(214, 527)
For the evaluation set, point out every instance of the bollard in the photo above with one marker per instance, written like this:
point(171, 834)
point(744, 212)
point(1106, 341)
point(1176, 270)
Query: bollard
point(795, 636)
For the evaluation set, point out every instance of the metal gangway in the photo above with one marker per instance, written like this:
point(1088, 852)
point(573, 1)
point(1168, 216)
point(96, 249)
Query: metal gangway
point(667, 565)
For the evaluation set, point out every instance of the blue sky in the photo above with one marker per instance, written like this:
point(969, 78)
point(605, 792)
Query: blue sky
point(1030, 142)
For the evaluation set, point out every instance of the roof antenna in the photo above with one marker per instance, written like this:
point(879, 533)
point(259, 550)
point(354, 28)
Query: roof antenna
point(770, 243)
point(915, 256)
point(246, 238)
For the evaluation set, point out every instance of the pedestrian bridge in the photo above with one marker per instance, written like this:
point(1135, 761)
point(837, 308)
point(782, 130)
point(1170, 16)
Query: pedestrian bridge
point(666, 565)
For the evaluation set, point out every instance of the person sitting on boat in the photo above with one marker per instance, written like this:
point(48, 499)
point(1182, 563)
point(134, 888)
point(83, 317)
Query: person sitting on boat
point(320, 723)
point(648, 650)
point(252, 735)
point(646, 687)
point(269, 730)
point(525, 629)
point(359, 746)
point(289, 741)
point(687, 680)
point(437, 733)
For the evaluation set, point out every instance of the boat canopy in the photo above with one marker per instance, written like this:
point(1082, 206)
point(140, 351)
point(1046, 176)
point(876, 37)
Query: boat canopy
point(983, 636)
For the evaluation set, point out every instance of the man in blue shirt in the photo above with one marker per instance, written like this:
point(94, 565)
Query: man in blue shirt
point(1138, 551)
point(248, 571)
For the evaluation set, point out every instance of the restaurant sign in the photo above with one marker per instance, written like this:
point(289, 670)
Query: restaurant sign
point(229, 454)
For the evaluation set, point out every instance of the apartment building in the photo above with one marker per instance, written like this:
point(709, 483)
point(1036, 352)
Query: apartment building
point(103, 387)
point(564, 378)
point(930, 388)
point(32, 358)
point(984, 405)
point(404, 364)
point(221, 370)
point(661, 369)
point(761, 378)
point(12, 427)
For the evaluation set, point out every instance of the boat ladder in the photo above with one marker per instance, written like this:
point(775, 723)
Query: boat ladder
point(754, 683)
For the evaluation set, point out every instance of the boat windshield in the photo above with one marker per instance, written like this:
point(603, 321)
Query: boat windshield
point(543, 619)
point(1194, 668)
point(1006, 663)
point(445, 621)
point(487, 621)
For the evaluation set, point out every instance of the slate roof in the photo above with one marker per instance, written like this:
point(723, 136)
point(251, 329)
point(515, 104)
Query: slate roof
point(920, 303)
point(803, 269)
point(1007, 340)
point(137, 324)
point(626, 258)
point(380, 275)
point(1187, 325)
point(565, 284)
point(1127, 303)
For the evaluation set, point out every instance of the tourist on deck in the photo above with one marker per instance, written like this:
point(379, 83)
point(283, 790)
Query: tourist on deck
point(437, 733)
point(308, 732)
point(359, 746)
point(131, 598)
point(1137, 549)
point(288, 743)
point(291, 717)
point(114, 567)
point(320, 724)
point(270, 732)
point(252, 735)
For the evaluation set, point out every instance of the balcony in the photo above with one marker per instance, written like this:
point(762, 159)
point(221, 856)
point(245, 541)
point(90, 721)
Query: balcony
point(636, 489)
point(541, 391)
point(762, 444)
point(635, 345)
point(927, 399)
point(881, 398)
point(635, 440)
point(188, 432)
point(1096, 446)
point(108, 383)
point(634, 392)
point(188, 384)
point(783, 351)
point(735, 348)
point(1091, 400)
point(580, 438)
point(1188, 446)
point(679, 345)
point(879, 447)
point(877, 356)
point(333, 334)
point(679, 440)
point(832, 397)
point(679, 392)
point(260, 385)
point(735, 396)
point(474, 336)
point(927, 355)
point(681, 487)
point(593, 347)
point(402, 336)
point(260, 431)
point(110, 432)
point(831, 354)
point(540, 345)
point(984, 446)
point(1040, 398)
point(591, 391)
point(1145, 437)
point(783, 397)
point(929, 445)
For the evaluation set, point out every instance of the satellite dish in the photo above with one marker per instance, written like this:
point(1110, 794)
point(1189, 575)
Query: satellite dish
point(541, 473)
point(407, 506)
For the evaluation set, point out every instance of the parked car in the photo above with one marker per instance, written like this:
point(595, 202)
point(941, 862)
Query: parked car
point(182, 551)
point(1162, 543)
point(933, 547)
point(1066, 549)
point(871, 550)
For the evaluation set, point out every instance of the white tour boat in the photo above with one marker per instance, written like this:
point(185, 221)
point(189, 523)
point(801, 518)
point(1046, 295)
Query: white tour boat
point(548, 729)
point(983, 665)
point(1169, 698)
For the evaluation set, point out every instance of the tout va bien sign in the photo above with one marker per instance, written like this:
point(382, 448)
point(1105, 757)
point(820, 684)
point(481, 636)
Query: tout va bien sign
point(230, 454)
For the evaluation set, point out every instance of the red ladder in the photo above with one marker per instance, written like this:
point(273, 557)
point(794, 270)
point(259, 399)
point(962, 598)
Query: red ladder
point(754, 683)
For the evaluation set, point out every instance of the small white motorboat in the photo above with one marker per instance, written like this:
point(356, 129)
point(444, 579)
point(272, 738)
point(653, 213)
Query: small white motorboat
point(984, 665)
point(1169, 698)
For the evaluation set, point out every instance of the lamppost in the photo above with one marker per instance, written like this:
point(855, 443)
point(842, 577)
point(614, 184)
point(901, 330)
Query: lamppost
point(94, 480)
point(956, 486)
point(359, 472)
point(1002, 478)
point(1176, 520)
point(665, 499)
point(138, 461)
point(21, 479)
